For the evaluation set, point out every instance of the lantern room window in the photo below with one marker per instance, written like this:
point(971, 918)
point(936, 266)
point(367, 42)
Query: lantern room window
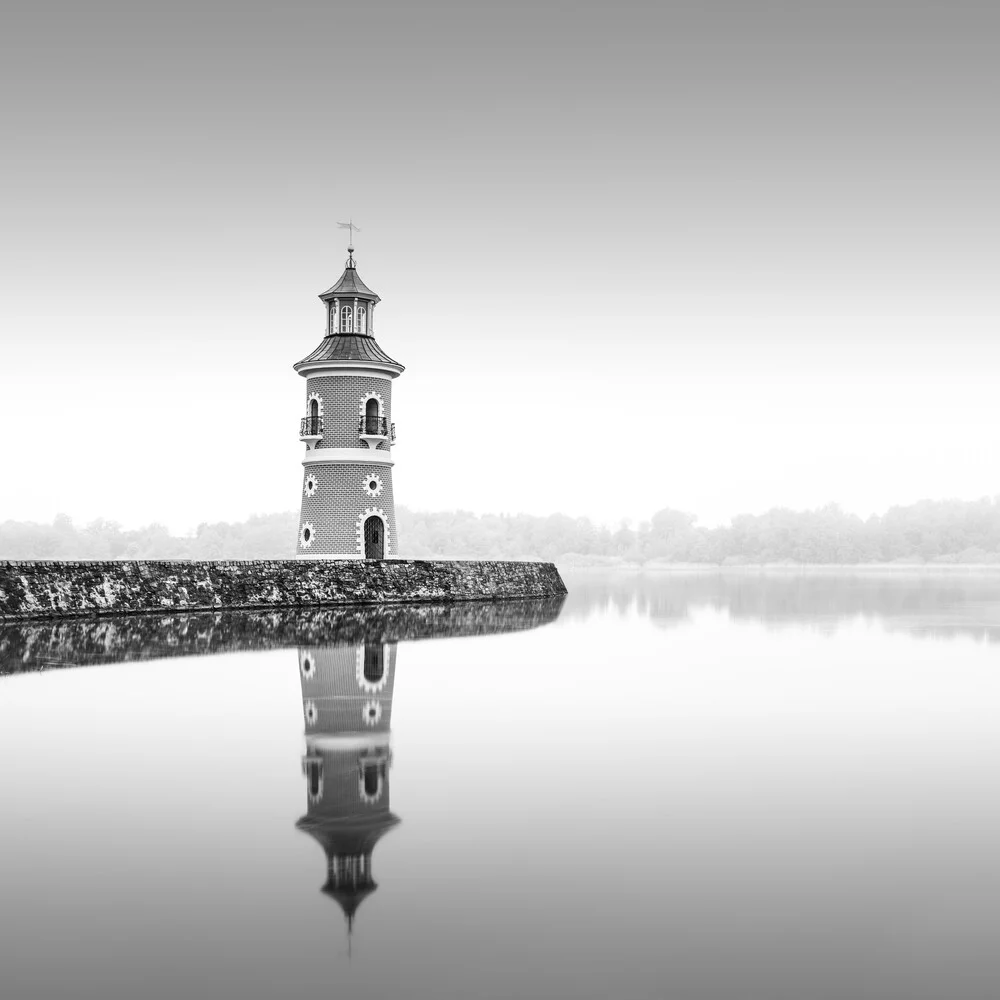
point(347, 320)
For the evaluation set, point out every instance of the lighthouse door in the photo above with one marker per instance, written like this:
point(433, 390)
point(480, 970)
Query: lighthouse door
point(374, 539)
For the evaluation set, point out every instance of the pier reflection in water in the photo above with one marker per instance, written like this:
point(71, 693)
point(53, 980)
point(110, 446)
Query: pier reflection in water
point(43, 644)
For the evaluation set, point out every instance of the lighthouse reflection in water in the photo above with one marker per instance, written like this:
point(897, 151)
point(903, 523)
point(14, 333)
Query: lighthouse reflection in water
point(347, 710)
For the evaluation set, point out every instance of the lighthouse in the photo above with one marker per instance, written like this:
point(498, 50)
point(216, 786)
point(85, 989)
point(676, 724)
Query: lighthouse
point(348, 431)
point(347, 706)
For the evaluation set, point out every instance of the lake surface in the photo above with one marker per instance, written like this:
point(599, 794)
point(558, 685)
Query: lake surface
point(692, 786)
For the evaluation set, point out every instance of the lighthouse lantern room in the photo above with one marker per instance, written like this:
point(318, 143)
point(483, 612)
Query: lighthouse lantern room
point(347, 502)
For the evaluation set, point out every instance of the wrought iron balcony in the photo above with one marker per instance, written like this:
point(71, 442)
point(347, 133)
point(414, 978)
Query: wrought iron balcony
point(392, 433)
point(373, 427)
point(311, 427)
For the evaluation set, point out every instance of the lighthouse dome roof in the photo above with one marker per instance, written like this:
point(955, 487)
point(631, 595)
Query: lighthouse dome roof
point(353, 348)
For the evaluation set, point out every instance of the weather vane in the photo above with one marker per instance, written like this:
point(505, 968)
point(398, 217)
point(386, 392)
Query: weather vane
point(353, 228)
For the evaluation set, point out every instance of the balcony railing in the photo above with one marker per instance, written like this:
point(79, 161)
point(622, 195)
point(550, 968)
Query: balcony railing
point(392, 433)
point(311, 427)
point(373, 426)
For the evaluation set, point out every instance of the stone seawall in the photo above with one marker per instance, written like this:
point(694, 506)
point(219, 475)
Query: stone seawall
point(57, 589)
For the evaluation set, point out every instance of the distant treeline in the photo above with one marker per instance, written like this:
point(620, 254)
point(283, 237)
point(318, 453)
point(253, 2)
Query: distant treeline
point(928, 531)
point(942, 605)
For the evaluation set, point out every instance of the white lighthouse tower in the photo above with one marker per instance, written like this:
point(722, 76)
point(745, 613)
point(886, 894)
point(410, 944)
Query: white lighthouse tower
point(347, 503)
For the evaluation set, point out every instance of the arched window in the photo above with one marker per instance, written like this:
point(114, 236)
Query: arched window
point(372, 780)
point(346, 320)
point(314, 408)
point(332, 319)
point(362, 319)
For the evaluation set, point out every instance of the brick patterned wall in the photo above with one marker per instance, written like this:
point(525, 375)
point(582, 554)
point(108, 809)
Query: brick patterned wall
point(341, 396)
point(337, 696)
point(341, 799)
point(338, 700)
point(339, 500)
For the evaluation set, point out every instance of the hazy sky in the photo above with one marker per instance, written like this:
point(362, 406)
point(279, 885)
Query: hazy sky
point(717, 256)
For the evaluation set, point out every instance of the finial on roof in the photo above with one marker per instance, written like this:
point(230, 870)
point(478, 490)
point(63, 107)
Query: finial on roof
point(352, 229)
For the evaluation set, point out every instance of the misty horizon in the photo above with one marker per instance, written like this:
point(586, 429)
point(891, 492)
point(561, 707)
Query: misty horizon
point(731, 255)
point(931, 532)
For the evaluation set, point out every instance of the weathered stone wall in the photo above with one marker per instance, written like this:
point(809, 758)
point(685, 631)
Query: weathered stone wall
point(56, 589)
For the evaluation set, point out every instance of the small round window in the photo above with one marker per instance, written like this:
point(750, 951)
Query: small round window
point(372, 484)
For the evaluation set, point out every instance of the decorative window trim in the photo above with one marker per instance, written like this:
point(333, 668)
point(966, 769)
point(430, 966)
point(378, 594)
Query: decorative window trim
point(311, 713)
point(307, 665)
point(367, 513)
point(372, 477)
point(371, 687)
point(319, 399)
point(303, 540)
point(365, 797)
point(362, 406)
point(310, 486)
point(372, 712)
point(317, 766)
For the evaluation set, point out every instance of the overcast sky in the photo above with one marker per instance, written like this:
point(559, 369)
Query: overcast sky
point(716, 256)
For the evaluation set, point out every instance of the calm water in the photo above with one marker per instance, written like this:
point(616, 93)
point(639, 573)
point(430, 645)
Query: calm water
point(674, 786)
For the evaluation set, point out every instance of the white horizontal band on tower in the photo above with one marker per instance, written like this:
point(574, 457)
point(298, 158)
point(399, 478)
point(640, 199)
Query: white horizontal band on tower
point(337, 741)
point(348, 373)
point(332, 555)
point(354, 456)
point(312, 369)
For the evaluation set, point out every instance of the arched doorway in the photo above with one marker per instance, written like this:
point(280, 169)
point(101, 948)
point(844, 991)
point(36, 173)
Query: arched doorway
point(314, 416)
point(371, 417)
point(374, 538)
point(374, 667)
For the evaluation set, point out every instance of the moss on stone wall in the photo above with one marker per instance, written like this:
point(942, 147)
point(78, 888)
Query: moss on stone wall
point(56, 589)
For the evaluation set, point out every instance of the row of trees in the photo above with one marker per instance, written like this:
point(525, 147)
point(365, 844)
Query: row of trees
point(929, 531)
